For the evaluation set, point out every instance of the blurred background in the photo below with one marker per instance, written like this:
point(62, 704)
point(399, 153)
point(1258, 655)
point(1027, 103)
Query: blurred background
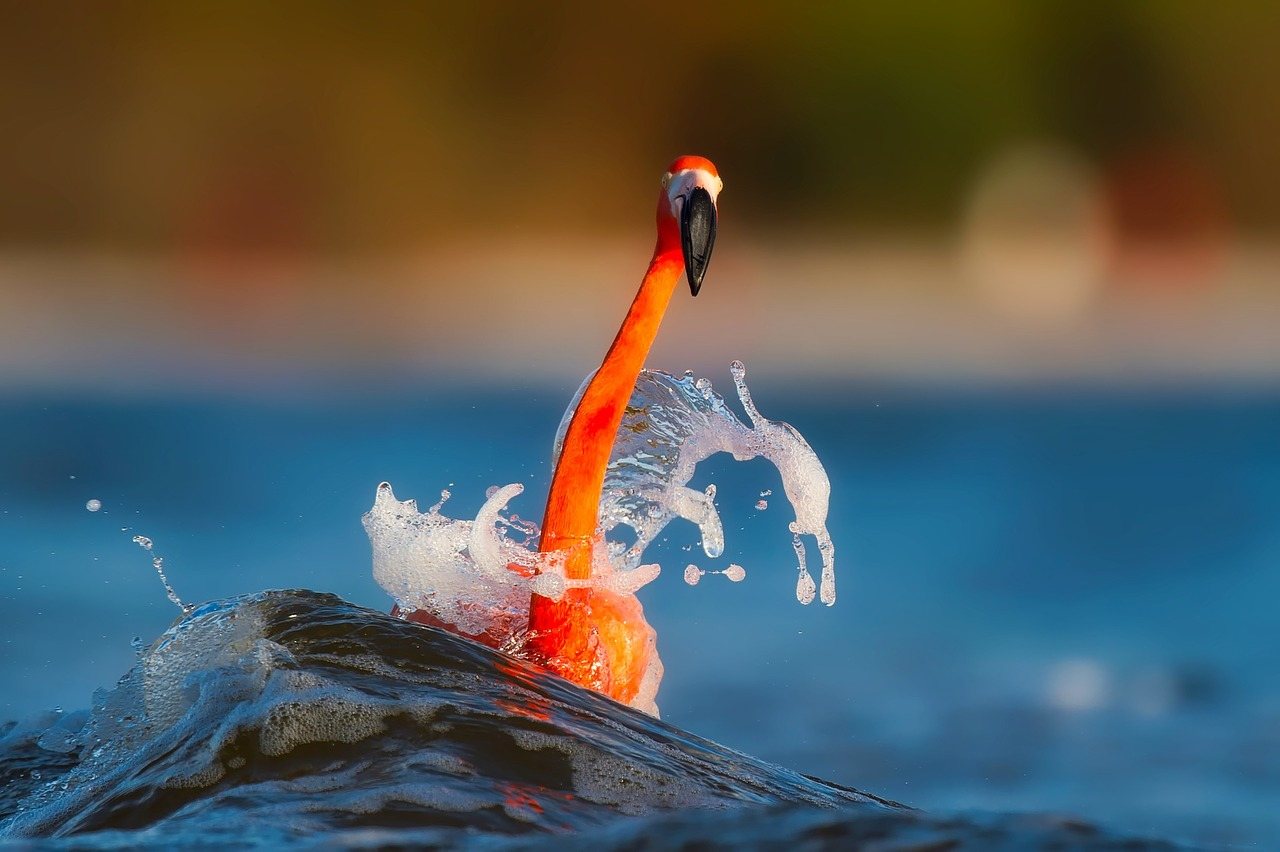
point(1012, 268)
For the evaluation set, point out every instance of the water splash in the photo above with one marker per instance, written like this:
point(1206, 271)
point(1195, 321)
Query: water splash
point(477, 575)
point(734, 574)
point(474, 576)
point(157, 562)
point(455, 569)
point(804, 482)
point(673, 424)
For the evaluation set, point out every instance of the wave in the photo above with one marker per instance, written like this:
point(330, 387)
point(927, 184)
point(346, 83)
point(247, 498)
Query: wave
point(296, 718)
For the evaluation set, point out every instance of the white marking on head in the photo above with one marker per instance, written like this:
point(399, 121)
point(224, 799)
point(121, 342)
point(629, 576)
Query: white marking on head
point(679, 184)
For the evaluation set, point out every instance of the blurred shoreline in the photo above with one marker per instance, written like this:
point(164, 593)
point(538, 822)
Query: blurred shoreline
point(540, 313)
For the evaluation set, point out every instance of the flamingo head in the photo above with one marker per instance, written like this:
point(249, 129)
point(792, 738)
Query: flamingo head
point(688, 201)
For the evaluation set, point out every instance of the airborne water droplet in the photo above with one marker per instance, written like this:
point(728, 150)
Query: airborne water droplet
point(157, 562)
point(805, 587)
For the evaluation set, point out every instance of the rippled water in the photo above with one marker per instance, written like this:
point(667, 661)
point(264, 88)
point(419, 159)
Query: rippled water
point(1057, 602)
point(295, 717)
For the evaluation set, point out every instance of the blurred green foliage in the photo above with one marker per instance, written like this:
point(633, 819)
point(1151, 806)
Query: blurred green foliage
point(360, 127)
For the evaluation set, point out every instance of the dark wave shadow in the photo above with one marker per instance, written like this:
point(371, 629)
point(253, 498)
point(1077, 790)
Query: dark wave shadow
point(293, 717)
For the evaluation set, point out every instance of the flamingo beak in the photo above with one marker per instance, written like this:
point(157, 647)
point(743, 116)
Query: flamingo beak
point(697, 235)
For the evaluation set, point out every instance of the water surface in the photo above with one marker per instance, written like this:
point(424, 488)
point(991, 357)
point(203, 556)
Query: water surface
point(1048, 602)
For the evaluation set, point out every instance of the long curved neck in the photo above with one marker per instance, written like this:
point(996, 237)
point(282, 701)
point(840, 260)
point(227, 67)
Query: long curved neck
point(573, 504)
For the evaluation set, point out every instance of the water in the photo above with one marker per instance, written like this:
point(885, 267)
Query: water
point(477, 576)
point(294, 717)
point(157, 562)
point(1059, 603)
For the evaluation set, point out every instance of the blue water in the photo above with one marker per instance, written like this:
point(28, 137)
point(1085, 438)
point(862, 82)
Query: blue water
point(992, 547)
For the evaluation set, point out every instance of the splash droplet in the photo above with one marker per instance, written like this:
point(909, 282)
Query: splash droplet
point(805, 587)
point(93, 505)
point(157, 562)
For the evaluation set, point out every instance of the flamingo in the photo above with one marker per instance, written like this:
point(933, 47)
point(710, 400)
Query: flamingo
point(593, 635)
point(597, 637)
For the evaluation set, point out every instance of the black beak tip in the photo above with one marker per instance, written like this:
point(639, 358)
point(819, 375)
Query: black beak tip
point(697, 236)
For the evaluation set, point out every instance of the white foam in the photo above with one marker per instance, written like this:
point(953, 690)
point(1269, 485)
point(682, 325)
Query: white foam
point(460, 571)
point(455, 569)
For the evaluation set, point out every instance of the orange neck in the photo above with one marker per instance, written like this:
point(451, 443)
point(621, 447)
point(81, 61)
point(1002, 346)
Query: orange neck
point(576, 485)
point(594, 637)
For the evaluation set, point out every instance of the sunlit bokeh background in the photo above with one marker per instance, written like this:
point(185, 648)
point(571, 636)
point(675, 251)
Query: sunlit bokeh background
point(1013, 268)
